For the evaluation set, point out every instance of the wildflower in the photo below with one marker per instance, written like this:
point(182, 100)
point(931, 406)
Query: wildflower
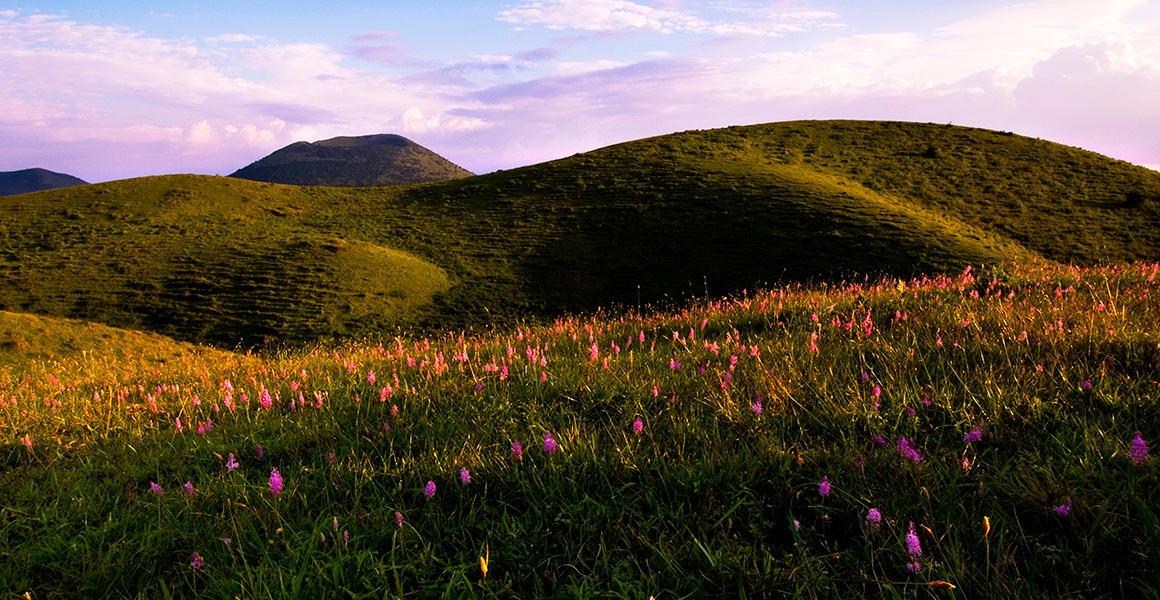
point(881, 441)
point(1063, 509)
point(517, 450)
point(865, 377)
point(231, 464)
point(464, 476)
point(726, 380)
point(330, 457)
point(275, 482)
point(543, 376)
point(914, 549)
point(371, 377)
point(824, 487)
point(258, 449)
point(796, 525)
point(27, 441)
point(873, 518)
point(1139, 450)
point(156, 488)
point(907, 450)
point(549, 443)
point(876, 392)
point(757, 404)
point(1086, 385)
point(973, 436)
point(345, 537)
point(925, 400)
point(196, 562)
point(189, 490)
point(637, 426)
point(398, 518)
point(226, 541)
point(177, 424)
point(910, 411)
point(429, 491)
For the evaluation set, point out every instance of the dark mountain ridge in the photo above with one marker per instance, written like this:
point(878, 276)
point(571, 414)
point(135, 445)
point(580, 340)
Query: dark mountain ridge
point(34, 180)
point(362, 161)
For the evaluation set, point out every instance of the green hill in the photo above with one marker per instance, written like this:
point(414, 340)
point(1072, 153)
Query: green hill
point(228, 261)
point(363, 161)
point(34, 180)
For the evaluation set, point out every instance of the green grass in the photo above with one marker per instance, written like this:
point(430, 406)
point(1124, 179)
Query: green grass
point(231, 262)
point(1056, 366)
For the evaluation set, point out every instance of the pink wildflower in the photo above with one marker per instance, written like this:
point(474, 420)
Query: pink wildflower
point(196, 562)
point(398, 518)
point(873, 518)
point(637, 426)
point(189, 490)
point(549, 443)
point(974, 435)
point(1139, 450)
point(275, 482)
point(824, 487)
point(231, 464)
point(464, 476)
point(517, 450)
point(1063, 509)
point(429, 491)
point(156, 489)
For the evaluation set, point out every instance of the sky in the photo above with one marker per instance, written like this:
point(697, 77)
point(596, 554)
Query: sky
point(109, 90)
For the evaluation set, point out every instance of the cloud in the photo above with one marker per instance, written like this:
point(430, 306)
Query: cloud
point(623, 15)
point(413, 121)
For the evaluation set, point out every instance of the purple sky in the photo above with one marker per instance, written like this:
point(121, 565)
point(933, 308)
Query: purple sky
point(208, 86)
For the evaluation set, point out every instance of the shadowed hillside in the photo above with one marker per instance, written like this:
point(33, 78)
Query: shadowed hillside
point(365, 161)
point(229, 261)
point(34, 180)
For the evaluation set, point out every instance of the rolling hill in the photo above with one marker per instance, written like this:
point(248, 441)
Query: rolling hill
point(364, 161)
point(34, 180)
point(227, 261)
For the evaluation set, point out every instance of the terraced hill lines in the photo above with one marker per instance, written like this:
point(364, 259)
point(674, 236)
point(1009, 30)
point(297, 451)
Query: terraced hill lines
point(228, 261)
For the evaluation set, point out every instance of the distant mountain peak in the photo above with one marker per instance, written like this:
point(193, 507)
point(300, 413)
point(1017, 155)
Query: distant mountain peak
point(34, 180)
point(362, 161)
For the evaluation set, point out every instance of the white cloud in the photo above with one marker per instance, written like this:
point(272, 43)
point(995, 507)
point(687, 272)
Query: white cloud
point(414, 122)
point(623, 15)
point(576, 68)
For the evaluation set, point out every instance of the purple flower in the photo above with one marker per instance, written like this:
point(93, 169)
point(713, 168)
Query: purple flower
point(189, 491)
point(876, 392)
point(1086, 385)
point(258, 449)
point(156, 489)
point(345, 537)
point(824, 486)
point(881, 441)
point(907, 450)
point(275, 482)
point(464, 476)
point(226, 541)
point(196, 562)
point(865, 377)
point(330, 457)
point(973, 436)
point(1063, 509)
point(914, 549)
point(1139, 450)
point(549, 443)
point(429, 491)
point(873, 518)
point(757, 404)
point(231, 464)
point(517, 450)
point(398, 518)
point(637, 426)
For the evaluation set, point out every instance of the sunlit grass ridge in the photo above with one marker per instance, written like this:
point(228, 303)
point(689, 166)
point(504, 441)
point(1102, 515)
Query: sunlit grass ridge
point(687, 457)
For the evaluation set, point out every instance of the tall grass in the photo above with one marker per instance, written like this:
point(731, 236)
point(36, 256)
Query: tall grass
point(736, 448)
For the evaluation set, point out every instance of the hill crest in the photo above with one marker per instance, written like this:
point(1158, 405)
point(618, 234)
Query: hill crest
point(360, 161)
point(36, 179)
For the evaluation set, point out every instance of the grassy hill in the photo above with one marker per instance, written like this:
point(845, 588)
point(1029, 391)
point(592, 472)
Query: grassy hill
point(363, 161)
point(25, 338)
point(228, 261)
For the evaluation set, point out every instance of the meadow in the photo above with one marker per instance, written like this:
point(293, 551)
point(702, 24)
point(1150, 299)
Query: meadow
point(979, 435)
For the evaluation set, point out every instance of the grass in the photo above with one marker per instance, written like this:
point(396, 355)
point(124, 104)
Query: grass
point(1056, 368)
point(236, 263)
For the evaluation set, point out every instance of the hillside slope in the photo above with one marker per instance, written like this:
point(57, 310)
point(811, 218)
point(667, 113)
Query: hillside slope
point(34, 180)
point(363, 161)
point(228, 261)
